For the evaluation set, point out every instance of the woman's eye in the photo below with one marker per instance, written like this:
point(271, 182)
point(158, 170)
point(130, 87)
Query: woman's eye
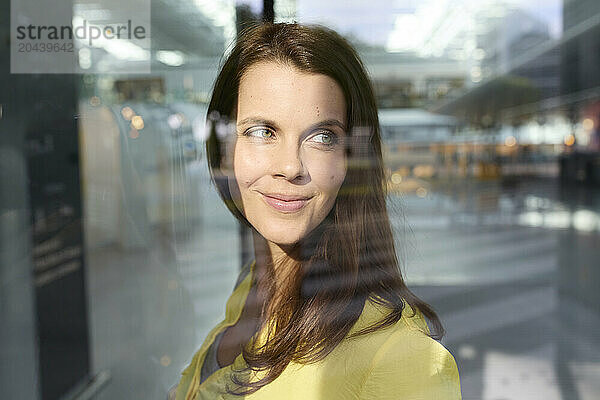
point(327, 138)
point(261, 133)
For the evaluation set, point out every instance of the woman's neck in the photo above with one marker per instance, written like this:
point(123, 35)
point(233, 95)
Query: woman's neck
point(276, 259)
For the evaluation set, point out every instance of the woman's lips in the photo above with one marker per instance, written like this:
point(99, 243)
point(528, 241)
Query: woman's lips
point(285, 203)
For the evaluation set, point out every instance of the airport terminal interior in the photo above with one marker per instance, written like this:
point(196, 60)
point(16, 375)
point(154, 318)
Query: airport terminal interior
point(117, 255)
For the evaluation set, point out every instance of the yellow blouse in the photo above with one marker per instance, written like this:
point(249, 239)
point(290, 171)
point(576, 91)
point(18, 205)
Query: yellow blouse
point(397, 362)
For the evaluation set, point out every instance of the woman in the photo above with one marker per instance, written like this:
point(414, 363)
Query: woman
point(322, 312)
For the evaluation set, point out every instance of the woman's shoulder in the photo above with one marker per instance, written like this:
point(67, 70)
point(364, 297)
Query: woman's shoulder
point(412, 366)
point(406, 362)
point(412, 321)
point(402, 339)
point(233, 308)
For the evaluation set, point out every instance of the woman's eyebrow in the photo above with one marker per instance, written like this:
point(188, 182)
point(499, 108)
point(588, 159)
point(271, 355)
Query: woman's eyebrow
point(328, 122)
point(257, 120)
point(320, 124)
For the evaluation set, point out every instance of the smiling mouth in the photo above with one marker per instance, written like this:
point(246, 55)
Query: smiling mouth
point(285, 203)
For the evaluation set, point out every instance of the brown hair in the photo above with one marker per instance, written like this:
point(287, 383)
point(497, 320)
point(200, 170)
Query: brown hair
point(351, 256)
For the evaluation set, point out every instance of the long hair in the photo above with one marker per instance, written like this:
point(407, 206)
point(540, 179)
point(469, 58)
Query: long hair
point(351, 256)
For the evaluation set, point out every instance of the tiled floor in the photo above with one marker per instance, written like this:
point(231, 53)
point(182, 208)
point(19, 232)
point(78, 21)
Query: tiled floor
point(511, 270)
point(520, 321)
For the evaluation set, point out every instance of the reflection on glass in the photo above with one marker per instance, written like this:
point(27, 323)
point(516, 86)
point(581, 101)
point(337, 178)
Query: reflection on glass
point(489, 113)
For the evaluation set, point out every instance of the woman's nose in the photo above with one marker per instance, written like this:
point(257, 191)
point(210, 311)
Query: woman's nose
point(288, 162)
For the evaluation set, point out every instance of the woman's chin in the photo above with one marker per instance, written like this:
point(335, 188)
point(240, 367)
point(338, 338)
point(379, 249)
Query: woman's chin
point(284, 238)
point(284, 243)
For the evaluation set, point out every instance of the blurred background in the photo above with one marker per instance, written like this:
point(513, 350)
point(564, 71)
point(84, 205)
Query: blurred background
point(117, 256)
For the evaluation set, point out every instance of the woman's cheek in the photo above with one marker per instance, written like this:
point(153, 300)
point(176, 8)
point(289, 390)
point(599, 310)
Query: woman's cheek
point(247, 167)
point(332, 172)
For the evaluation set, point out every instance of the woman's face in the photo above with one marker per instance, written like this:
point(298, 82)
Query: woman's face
point(288, 160)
